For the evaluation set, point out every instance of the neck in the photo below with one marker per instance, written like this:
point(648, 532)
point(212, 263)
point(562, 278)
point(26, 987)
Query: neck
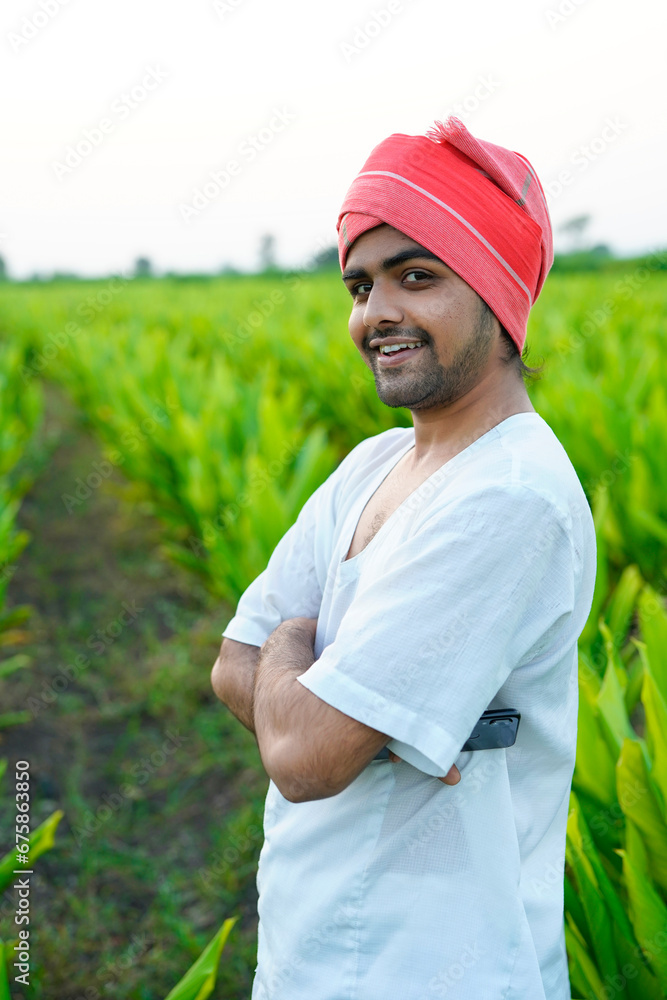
point(443, 432)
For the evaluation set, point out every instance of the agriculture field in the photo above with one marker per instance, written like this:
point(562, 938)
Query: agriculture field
point(158, 439)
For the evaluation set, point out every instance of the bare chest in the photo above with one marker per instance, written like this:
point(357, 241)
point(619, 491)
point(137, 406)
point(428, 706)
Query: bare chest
point(388, 497)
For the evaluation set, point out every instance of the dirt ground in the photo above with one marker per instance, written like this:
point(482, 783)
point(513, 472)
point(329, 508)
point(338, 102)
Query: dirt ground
point(161, 788)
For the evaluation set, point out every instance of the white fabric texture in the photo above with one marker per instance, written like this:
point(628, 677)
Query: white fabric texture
point(472, 595)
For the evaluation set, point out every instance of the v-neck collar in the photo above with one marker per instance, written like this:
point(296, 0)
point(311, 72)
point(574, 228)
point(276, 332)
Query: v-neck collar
point(387, 468)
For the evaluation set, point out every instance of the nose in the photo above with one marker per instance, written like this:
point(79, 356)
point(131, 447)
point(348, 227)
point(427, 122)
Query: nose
point(381, 307)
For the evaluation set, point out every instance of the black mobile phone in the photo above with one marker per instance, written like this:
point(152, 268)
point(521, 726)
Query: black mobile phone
point(497, 727)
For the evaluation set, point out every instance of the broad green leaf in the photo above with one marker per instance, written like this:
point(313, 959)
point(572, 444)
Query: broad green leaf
point(199, 980)
point(653, 627)
point(654, 525)
point(611, 700)
point(6, 950)
point(635, 680)
point(14, 719)
point(571, 899)
point(639, 981)
point(578, 980)
point(595, 767)
point(585, 975)
point(601, 588)
point(41, 840)
point(597, 915)
point(636, 848)
point(648, 914)
point(655, 708)
point(13, 663)
point(582, 841)
point(639, 804)
point(622, 603)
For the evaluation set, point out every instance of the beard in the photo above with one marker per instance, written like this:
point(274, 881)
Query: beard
point(426, 383)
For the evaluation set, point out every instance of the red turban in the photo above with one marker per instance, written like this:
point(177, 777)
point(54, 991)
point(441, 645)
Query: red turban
point(477, 206)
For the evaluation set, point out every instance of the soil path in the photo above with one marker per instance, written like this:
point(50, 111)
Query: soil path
point(162, 789)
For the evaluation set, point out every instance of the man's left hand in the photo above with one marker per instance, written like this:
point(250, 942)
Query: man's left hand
point(452, 777)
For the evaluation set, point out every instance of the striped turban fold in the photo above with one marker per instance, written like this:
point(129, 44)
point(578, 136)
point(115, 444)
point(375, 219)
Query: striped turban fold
point(479, 207)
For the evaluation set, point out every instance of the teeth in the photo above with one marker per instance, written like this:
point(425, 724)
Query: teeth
point(392, 348)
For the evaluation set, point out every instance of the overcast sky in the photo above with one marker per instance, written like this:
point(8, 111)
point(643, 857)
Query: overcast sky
point(117, 112)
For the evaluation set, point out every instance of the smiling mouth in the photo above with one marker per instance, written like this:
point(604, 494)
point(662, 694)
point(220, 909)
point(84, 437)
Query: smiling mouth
point(395, 357)
point(398, 345)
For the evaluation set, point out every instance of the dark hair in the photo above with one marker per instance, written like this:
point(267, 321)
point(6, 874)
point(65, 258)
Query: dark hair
point(512, 356)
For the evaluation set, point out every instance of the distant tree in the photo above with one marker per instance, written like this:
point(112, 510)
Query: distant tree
point(229, 271)
point(325, 260)
point(267, 253)
point(64, 276)
point(3, 270)
point(143, 268)
point(575, 228)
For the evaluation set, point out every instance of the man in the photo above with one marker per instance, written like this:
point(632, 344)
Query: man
point(441, 570)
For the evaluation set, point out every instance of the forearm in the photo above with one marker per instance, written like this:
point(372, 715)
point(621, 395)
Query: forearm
point(233, 679)
point(282, 706)
point(234, 672)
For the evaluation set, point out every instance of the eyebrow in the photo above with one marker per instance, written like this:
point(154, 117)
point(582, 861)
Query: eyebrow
point(415, 253)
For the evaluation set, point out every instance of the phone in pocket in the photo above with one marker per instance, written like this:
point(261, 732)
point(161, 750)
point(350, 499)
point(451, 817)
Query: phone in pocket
point(495, 728)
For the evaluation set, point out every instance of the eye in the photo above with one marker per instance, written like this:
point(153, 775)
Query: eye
point(358, 288)
point(420, 276)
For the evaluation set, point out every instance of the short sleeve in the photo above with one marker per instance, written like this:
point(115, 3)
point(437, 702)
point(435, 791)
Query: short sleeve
point(292, 584)
point(465, 600)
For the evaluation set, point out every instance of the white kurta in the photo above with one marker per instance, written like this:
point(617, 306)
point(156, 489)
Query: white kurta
point(472, 595)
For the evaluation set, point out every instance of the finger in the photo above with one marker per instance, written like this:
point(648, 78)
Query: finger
point(452, 777)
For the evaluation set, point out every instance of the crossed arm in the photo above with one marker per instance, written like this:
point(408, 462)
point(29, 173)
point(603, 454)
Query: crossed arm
point(309, 749)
